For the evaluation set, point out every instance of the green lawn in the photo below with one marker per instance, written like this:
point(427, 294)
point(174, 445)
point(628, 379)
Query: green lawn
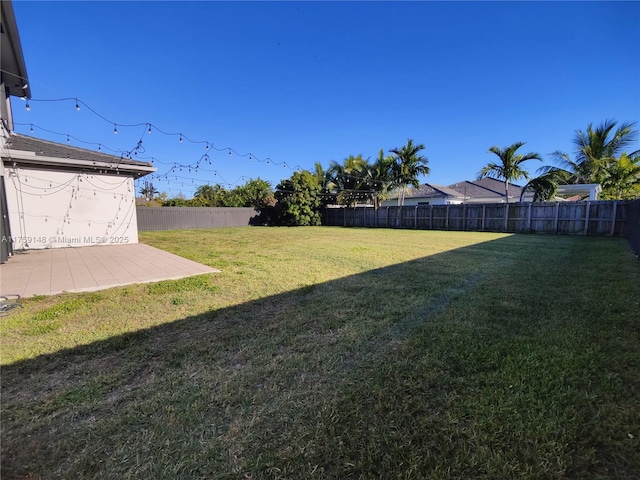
point(336, 353)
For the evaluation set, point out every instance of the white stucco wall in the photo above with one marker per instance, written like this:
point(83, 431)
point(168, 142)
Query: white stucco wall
point(54, 209)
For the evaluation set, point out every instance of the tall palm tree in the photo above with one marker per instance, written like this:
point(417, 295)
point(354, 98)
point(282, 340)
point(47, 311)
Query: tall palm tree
point(408, 165)
point(509, 168)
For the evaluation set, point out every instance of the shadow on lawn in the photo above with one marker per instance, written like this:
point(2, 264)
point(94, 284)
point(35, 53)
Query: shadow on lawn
point(322, 381)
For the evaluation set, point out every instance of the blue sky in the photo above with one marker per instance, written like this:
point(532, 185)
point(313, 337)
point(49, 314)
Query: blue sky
point(306, 82)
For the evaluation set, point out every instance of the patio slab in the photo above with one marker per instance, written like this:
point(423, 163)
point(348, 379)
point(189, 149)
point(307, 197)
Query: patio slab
point(87, 269)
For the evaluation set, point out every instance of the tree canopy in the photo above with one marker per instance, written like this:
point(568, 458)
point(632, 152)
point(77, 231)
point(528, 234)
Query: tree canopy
point(509, 169)
point(408, 164)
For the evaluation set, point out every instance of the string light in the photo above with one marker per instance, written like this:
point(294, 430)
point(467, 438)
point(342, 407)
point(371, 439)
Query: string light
point(27, 107)
point(138, 149)
point(77, 106)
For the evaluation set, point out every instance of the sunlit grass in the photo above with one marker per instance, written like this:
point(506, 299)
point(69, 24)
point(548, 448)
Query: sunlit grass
point(336, 353)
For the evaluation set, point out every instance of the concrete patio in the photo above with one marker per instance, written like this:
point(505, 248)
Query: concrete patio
point(85, 269)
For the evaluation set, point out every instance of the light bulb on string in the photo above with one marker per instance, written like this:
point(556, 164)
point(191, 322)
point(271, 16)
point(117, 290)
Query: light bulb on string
point(68, 141)
point(27, 106)
point(99, 147)
point(180, 138)
point(149, 128)
point(115, 129)
point(207, 147)
point(77, 105)
point(229, 152)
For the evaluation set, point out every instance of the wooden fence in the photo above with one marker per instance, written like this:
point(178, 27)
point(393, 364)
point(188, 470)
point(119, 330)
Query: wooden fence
point(173, 218)
point(607, 218)
point(633, 226)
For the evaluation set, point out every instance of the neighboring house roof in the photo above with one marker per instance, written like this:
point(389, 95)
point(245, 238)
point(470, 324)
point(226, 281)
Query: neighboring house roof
point(486, 188)
point(13, 73)
point(30, 151)
point(428, 190)
point(432, 190)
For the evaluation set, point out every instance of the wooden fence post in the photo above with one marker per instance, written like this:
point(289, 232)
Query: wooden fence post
point(386, 220)
point(529, 216)
point(464, 217)
point(613, 217)
point(506, 216)
point(415, 220)
point(555, 218)
point(431, 217)
point(586, 218)
point(484, 216)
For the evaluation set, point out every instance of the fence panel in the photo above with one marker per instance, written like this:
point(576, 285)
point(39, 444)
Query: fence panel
point(633, 225)
point(606, 218)
point(173, 218)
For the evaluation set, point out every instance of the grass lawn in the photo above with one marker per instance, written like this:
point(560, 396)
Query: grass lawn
point(336, 353)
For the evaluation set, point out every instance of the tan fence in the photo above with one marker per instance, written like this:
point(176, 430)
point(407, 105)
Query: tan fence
point(174, 218)
point(571, 218)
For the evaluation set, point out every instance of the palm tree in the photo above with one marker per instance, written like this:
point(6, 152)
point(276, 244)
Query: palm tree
point(510, 167)
point(599, 147)
point(545, 185)
point(378, 178)
point(324, 180)
point(148, 191)
point(596, 149)
point(407, 167)
point(349, 179)
point(621, 178)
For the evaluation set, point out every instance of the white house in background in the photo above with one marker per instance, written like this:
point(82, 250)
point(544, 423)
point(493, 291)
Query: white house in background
point(486, 190)
point(592, 190)
point(54, 195)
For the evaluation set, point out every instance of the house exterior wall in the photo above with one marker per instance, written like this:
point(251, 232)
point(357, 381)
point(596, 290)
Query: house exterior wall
point(51, 208)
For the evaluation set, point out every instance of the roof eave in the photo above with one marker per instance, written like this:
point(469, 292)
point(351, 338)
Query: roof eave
point(25, 158)
point(17, 81)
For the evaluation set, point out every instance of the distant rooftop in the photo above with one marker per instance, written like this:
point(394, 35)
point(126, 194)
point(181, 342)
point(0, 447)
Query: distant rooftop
point(485, 187)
